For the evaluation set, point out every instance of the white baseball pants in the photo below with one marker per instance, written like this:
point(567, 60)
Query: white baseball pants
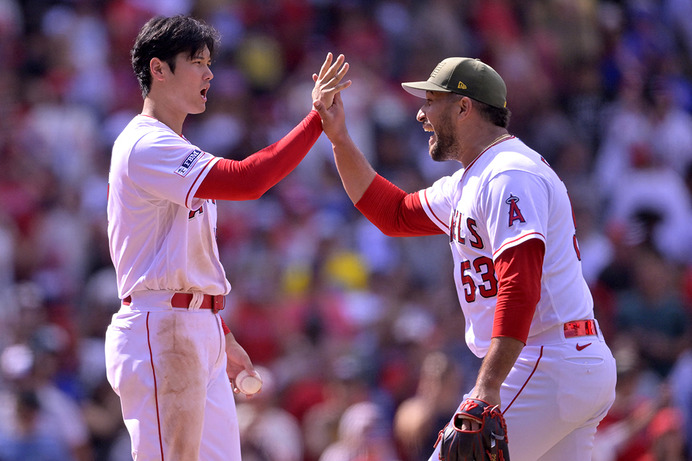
point(555, 396)
point(168, 365)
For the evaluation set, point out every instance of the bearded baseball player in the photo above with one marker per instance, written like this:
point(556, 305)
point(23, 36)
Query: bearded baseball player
point(546, 371)
point(169, 356)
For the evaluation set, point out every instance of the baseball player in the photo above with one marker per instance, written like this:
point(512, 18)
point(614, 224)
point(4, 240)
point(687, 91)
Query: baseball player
point(169, 356)
point(528, 311)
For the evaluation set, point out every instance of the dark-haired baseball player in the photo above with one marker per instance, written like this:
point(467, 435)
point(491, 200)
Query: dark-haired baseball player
point(169, 356)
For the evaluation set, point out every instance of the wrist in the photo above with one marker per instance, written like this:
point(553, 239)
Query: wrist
point(340, 139)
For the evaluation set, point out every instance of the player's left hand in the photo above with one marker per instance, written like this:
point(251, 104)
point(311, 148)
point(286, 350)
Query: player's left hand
point(236, 360)
point(486, 441)
point(328, 80)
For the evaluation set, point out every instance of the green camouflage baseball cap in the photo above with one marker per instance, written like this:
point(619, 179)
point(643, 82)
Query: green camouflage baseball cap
point(466, 76)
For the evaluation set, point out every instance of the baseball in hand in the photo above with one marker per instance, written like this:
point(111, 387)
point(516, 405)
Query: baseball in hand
point(247, 383)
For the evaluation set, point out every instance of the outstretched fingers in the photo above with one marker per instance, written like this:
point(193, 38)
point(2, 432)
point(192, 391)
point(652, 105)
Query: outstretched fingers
point(329, 68)
point(329, 81)
point(326, 65)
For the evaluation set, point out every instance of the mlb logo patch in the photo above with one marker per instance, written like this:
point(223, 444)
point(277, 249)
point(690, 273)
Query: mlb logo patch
point(184, 167)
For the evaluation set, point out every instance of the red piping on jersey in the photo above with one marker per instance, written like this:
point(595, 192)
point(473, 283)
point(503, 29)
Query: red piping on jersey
point(483, 152)
point(516, 240)
point(427, 203)
point(535, 367)
point(187, 197)
point(156, 392)
point(486, 150)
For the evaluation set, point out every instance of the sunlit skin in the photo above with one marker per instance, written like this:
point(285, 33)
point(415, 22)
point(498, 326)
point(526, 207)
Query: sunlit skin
point(436, 117)
point(458, 130)
point(174, 95)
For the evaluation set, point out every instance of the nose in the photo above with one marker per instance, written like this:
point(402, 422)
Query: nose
point(210, 74)
point(420, 116)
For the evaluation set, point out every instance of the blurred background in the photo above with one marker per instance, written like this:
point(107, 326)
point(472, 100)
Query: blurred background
point(359, 337)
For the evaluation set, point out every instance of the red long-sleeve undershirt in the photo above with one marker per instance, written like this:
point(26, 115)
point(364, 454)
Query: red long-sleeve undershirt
point(518, 269)
point(251, 177)
point(394, 212)
point(225, 328)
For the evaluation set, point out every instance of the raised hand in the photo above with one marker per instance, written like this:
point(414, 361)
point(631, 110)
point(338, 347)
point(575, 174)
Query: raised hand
point(333, 119)
point(328, 81)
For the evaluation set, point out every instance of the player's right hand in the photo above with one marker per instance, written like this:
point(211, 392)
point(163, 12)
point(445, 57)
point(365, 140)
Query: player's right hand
point(236, 359)
point(333, 120)
point(328, 81)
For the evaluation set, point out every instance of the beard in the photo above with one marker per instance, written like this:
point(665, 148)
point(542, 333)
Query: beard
point(445, 146)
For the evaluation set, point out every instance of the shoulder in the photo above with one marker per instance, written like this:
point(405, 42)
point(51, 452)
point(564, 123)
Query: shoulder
point(145, 137)
point(515, 156)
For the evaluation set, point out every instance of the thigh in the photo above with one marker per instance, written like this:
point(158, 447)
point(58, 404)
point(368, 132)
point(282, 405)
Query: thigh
point(554, 398)
point(575, 446)
point(220, 435)
point(161, 367)
point(130, 374)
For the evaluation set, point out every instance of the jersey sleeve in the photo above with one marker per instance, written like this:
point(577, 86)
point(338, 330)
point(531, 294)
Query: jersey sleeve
point(165, 166)
point(515, 204)
point(439, 199)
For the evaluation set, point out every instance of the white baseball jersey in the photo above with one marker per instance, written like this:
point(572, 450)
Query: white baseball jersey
point(516, 196)
point(154, 220)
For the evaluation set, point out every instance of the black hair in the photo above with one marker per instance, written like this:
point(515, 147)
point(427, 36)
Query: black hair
point(164, 38)
point(496, 115)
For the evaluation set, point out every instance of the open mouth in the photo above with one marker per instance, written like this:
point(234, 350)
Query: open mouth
point(429, 129)
point(203, 93)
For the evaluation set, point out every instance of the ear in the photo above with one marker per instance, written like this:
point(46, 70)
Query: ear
point(158, 69)
point(464, 106)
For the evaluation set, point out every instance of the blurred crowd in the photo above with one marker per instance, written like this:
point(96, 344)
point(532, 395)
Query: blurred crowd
point(359, 337)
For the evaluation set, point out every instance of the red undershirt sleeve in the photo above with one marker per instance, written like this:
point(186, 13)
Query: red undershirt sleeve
point(394, 212)
point(519, 270)
point(226, 330)
point(251, 177)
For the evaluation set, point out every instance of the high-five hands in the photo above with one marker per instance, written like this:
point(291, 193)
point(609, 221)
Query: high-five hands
point(328, 81)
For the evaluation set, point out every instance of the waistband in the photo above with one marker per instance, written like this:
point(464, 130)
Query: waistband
point(567, 330)
point(168, 299)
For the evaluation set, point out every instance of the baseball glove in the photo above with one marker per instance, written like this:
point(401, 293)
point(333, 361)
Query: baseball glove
point(489, 443)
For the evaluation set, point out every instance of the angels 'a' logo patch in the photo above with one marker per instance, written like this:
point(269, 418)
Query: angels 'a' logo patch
point(514, 211)
point(184, 167)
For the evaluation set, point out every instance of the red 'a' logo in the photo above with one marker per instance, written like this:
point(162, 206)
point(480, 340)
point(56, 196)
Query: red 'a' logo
point(514, 211)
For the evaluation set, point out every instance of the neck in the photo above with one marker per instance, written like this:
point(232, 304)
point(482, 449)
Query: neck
point(168, 117)
point(483, 142)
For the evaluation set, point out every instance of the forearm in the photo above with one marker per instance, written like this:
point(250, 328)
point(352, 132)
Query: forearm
point(354, 169)
point(498, 362)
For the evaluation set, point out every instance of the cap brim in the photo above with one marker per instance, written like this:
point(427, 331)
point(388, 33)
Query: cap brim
point(418, 89)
